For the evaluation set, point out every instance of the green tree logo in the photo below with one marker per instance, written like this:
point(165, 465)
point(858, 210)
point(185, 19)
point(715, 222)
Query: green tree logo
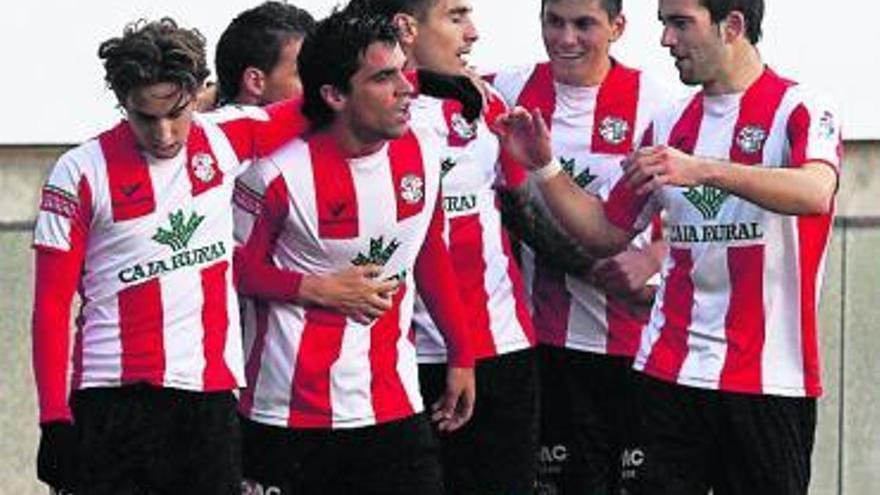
point(582, 179)
point(181, 232)
point(707, 200)
point(379, 253)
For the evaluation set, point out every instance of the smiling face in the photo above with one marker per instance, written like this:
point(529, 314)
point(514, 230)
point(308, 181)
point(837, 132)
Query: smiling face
point(160, 116)
point(694, 41)
point(577, 36)
point(377, 106)
point(444, 37)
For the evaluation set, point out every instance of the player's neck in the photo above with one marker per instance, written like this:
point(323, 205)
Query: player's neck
point(742, 69)
point(350, 143)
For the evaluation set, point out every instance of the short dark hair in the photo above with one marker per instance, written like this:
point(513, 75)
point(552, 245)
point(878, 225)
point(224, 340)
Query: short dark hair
point(154, 52)
point(389, 8)
point(752, 11)
point(255, 38)
point(611, 7)
point(332, 54)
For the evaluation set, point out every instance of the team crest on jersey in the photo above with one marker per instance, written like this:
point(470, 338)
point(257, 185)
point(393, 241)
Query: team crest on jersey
point(707, 200)
point(412, 188)
point(582, 179)
point(203, 167)
point(462, 128)
point(751, 139)
point(827, 127)
point(613, 130)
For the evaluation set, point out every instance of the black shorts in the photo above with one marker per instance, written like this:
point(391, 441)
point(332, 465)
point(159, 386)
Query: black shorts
point(495, 451)
point(583, 396)
point(687, 441)
point(139, 439)
point(396, 458)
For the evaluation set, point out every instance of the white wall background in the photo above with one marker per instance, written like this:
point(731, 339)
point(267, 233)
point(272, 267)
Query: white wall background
point(51, 89)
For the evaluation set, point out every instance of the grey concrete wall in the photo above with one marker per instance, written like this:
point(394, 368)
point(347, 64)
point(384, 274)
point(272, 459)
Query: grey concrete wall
point(846, 460)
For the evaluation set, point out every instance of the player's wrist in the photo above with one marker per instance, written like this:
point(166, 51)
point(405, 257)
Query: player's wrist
point(547, 171)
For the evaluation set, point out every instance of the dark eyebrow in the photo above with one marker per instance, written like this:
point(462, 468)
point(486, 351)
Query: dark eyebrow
point(460, 10)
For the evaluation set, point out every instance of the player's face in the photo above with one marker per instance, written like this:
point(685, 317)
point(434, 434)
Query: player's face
point(377, 106)
point(577, 36)
point(283, 82)
point(693, 41)
point(445, 37)
point(160, 116)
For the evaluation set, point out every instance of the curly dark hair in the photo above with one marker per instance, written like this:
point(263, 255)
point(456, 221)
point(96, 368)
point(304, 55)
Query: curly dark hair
point(343, 38)
point(154, 52)
point(255, 39)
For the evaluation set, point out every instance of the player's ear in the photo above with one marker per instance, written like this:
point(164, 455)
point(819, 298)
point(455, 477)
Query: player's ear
point(253, 81)
point(334, 98)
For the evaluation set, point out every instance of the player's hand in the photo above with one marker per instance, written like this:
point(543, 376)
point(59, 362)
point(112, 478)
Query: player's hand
point(57, 455)
point(356, 292)
point(626, 273)
point(462, 88)
point(525, 136)
point(648, 169)
point(456, 406)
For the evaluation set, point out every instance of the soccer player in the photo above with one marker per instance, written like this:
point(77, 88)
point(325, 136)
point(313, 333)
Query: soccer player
point(139, 220)
point(588, 312)
point(495, 452)
point(333, 404)
point(746, 172)
point(256, 54)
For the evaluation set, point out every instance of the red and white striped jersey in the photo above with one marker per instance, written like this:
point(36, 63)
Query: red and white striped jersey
point(737, 306)
point(149, 242)
point(592, 130)
point(488, 277)
point(314, 211)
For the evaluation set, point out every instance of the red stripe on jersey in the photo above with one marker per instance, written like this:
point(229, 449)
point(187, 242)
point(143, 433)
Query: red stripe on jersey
point(466, 251)
point(813, 233)
point(798, 132)
point(648, 136)
point(519, 288)
point(539, 92)
point(552, 304)
point(685, 132)
point(616, 106)
point(79, 240)
point(215, 321)
point(758, 107)
point(460, 131)
point(140, 324)
point(408, 174)
point(240, 134)
point(320, 346)
point(131, 189)
point(389, 397)
point(255, 358)
point(624, 328)
point(286, 122)
point(334, 190)
point(201, 167)
point(744, 324)
point(671, 349)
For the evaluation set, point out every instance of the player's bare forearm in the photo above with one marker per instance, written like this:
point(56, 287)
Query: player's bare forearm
point(582, 216)
point(528, 221)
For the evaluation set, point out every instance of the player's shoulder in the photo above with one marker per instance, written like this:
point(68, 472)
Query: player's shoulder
point(509, 82)
point(83, 160)
point(231, 113)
